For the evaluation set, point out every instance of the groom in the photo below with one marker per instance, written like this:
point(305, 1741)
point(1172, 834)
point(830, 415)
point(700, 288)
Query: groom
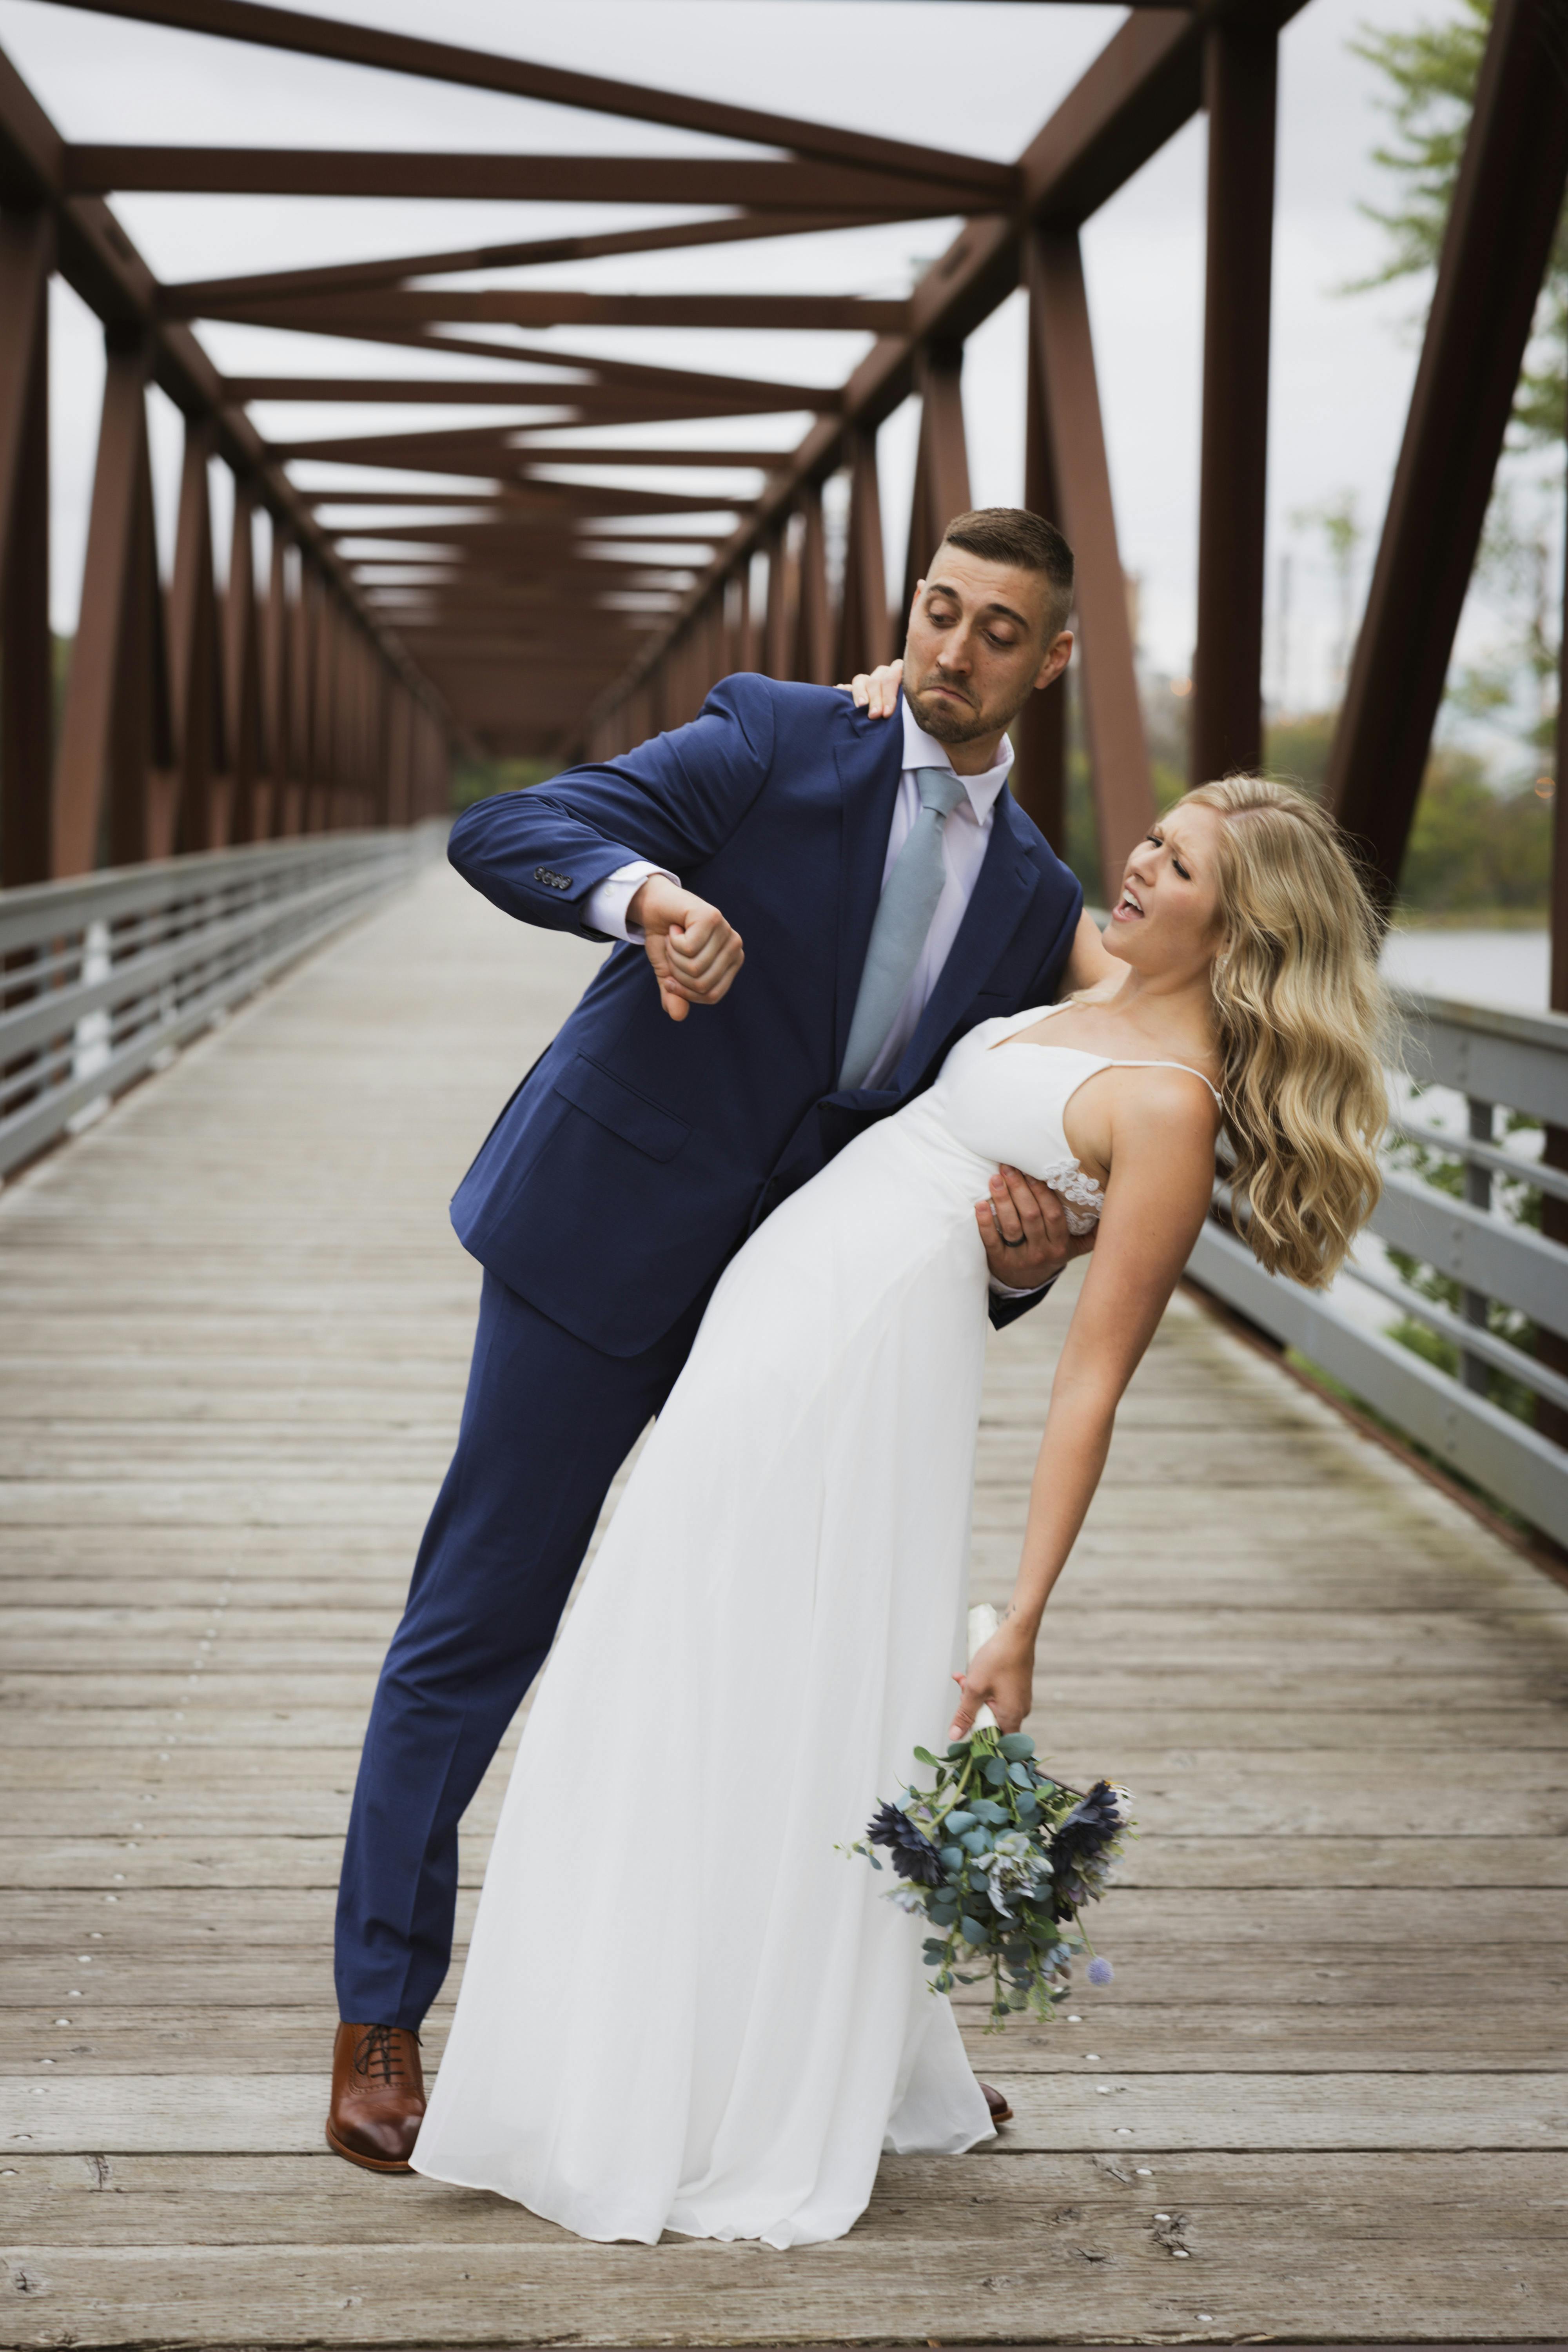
point(890, 895)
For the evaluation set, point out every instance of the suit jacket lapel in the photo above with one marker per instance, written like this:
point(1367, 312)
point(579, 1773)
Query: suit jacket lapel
point(1005, 884)
point(870, 766)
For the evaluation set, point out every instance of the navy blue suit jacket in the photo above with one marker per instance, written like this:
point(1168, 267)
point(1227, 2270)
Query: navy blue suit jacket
point(639, 1151)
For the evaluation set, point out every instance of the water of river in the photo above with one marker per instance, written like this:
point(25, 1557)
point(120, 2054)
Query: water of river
point(1488, 967)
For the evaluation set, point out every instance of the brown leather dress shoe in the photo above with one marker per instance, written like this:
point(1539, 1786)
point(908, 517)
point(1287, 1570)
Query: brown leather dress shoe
point(1001, 2113)
point(378, 2096)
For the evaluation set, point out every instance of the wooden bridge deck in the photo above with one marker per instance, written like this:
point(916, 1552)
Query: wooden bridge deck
point(1323, 2099)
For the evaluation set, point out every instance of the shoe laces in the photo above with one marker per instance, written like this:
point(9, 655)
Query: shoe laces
point(376, 2053)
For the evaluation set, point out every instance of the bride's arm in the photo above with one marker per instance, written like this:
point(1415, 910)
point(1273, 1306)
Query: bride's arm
point(1161, 1180)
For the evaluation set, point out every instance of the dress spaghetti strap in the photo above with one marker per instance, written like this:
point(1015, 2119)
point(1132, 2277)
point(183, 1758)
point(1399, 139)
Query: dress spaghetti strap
point(1106, 1061)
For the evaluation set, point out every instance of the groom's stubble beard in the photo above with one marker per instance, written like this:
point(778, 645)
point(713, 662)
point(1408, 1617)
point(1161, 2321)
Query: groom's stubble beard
point(965, 724)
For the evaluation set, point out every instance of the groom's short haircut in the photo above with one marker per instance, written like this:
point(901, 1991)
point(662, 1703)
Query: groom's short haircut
point(1013, 535)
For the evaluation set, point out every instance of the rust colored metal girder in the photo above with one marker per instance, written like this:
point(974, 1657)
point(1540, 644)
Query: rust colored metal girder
point(1506, 206)
point(1065, 384)
point(852, 314)
point(503, 529)
point(116, 759)
point(1226, 712)
point(580, 454)
point(98, 259)
point(101, 170)
point(1144, 84)
point(206, 298)
point(26, 257)
point(516, 570)
point(363, 44)
point(942, 461)
point(523, 508)
point(583, 499)
point(1039, 772)
point(27, 252)
point(597, 404)
point(744, 394)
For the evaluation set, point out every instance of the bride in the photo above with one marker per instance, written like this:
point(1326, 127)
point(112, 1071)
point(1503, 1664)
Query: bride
point(682, 2010)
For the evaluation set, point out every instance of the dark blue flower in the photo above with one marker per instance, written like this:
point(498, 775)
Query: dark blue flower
point(914, 1857)
point(1080, 1848)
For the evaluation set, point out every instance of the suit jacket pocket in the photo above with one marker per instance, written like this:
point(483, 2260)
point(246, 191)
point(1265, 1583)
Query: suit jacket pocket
point(614, 1105)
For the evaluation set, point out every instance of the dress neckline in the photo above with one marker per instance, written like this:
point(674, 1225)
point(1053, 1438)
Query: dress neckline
point(1106, 1061)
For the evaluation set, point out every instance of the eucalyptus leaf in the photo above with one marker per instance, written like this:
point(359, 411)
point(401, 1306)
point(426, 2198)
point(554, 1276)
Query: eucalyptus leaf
point(972, 1931)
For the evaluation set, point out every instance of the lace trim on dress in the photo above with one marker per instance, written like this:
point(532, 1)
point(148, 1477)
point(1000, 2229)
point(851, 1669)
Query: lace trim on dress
point(1083, 1197)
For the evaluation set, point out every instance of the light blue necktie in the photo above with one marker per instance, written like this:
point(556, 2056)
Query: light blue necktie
point(904, 914)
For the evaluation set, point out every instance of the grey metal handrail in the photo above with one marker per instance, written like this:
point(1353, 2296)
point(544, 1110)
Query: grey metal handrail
point(1492, 1057)
point(102, 977)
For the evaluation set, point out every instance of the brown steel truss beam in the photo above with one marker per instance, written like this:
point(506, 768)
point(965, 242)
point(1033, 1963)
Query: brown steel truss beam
point(1226, 710)
point(424, 392)
point(251, 808)
point(198, 299)
point(1038, 778)
point(101, 170)
point(26, 254)
point(742, 392)
point(598, 404)
point(518, 307)
point(1506, 206)
point(579, 453)
point(98, 259)
point(286, 29)
point(1064, 381)
point(115, 773)
point(1144, 86)
point(197, 657)
point(522, 507)
point(942, 462)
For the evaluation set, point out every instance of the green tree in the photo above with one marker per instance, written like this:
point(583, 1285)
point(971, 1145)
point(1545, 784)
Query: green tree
point(1430, 72)
point(1472, 850)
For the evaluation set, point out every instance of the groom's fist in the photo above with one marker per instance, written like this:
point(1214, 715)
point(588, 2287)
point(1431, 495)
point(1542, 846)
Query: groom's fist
point(694, 952)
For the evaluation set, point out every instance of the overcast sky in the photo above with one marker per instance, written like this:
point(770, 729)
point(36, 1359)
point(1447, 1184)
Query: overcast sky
point(979, 75)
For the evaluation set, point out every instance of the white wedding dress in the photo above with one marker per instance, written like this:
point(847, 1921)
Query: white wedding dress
point(683, 2008)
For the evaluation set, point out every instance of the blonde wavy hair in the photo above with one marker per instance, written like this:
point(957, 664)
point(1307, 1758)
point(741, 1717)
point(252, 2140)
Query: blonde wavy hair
point(1301, 1019)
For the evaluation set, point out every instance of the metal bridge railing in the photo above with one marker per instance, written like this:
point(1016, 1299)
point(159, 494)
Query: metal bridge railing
point(104, 977)
point(1493, 1060)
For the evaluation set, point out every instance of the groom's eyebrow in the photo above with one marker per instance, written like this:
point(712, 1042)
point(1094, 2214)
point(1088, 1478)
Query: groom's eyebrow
point(1002, 611)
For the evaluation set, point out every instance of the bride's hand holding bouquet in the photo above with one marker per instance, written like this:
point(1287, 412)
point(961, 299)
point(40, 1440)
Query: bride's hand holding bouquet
point(998, 1685)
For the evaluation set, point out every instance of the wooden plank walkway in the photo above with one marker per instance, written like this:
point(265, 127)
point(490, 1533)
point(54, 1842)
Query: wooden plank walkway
point(1324, 2098)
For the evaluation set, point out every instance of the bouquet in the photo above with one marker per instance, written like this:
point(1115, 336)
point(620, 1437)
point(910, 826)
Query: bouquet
point(1000, 1859)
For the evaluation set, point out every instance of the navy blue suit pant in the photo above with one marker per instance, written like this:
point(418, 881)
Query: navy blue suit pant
point(547, 1421)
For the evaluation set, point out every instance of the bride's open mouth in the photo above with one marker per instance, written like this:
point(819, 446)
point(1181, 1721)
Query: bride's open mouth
point(1127, 907)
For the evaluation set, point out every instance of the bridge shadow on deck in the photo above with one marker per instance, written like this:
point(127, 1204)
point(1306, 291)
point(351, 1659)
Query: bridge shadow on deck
point(1323, 2098)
